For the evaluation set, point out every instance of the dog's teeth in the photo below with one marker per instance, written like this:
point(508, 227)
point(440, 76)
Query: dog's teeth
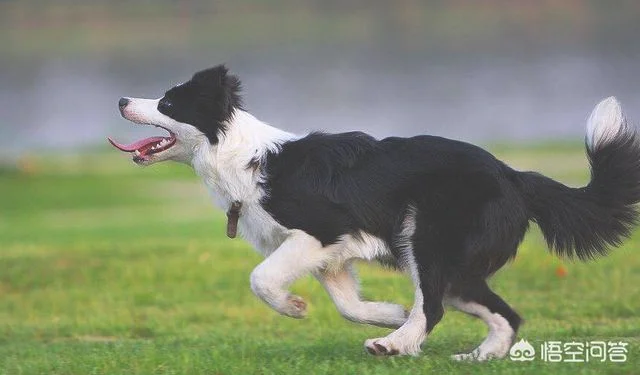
point(136, 153)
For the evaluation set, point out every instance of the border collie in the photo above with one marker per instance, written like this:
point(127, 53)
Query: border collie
point(447, 213)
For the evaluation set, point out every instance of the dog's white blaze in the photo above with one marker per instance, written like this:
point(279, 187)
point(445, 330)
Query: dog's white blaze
point(605, 123)
point(498, 340)
point(188, 138)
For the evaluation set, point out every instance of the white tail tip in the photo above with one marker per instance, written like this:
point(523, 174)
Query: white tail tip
point(605, 123)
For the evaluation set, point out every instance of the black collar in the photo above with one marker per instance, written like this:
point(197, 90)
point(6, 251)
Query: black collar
point(233, 214)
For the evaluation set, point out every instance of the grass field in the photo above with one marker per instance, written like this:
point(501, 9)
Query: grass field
point(106, 268)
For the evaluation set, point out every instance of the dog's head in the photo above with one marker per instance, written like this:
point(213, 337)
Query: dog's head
point(195, 112)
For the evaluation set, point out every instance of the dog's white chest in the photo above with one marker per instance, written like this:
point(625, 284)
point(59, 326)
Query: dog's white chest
point(255, 224)
point(226, 171)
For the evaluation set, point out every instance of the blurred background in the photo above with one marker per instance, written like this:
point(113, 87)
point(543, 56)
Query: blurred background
point(482, 71)
point(108, 268)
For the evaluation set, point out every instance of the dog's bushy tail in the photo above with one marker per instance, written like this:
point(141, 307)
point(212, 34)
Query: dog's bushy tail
point(585, 222)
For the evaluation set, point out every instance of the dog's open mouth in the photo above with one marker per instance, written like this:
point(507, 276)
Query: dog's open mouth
point(144, 148)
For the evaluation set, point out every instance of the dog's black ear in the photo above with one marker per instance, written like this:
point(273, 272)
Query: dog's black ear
point(226, 86)
point(214, 75)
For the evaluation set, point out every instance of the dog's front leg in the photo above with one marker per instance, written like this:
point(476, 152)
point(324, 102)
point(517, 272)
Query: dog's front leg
point(299, 255)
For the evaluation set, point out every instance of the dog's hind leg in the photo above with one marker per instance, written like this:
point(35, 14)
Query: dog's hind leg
point(299, 255)
point(342, 287)
point(416, 249)
point(476, 299)
point(426, 313)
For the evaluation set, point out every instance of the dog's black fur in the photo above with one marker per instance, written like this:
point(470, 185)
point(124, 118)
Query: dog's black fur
point(473, 209)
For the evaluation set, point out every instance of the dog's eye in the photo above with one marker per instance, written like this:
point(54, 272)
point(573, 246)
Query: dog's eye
point(164, 104)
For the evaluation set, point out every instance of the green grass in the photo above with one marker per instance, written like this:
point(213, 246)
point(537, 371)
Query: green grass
point(106, 268)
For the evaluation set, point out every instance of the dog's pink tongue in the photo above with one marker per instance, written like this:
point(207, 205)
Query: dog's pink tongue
point(135, 145)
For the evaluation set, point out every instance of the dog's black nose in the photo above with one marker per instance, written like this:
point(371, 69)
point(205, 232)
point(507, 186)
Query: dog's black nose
point(123, 102)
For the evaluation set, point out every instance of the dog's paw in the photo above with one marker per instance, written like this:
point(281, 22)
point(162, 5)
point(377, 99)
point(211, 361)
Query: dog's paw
point(390, 345)
point(380, 346)
point(295, 307)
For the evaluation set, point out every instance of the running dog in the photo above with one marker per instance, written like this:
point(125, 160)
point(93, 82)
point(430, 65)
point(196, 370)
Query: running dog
point(447, 213)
